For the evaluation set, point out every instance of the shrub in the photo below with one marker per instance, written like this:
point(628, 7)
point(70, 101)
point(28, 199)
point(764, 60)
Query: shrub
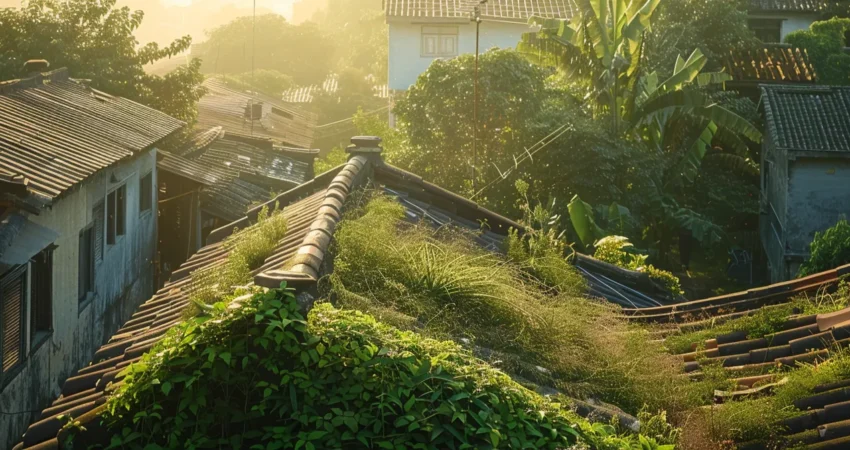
point(828, 250)
point(334, 158)
point(440, 283)
point(260, 376)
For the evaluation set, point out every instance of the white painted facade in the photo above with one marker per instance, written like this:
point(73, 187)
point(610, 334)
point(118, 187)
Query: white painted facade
point(123, 279)
point(790, 21)
point(406, 62)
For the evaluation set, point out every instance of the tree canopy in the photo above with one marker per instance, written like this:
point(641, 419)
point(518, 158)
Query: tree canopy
point(95, 41)
point(825, 43)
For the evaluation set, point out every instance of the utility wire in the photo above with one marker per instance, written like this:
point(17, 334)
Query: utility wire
point(528, 154)
point(368, 113)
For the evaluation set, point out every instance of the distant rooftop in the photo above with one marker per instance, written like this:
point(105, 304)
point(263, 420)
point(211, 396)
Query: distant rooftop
point(808, 118)
point(56, 131)
point(788, 5)
point(306, 94)
point(509, 10)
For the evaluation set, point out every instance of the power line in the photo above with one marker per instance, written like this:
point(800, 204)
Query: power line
point(368, 113)
point(528, 154)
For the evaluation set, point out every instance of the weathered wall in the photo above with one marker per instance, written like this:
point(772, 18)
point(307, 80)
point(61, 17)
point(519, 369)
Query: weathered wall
point(123, 280)
point(774, 169)
point(406, 63)
point(818, 195)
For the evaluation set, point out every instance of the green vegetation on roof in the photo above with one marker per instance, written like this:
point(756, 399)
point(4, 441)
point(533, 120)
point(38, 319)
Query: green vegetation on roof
point(260, 376)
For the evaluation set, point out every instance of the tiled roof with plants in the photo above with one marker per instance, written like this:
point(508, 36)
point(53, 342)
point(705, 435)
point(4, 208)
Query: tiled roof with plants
point(811, 118)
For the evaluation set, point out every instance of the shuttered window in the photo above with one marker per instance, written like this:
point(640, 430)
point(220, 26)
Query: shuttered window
point(439, 41)
point(41, 297)
point(116, 214)
point(146, 192)
point(85, 283)
point(12, 297)
point(110, 217)
point(121, 205)
point(97, 217)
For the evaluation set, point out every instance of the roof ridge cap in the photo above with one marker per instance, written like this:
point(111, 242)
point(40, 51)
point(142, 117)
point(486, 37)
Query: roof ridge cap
point(60, 74)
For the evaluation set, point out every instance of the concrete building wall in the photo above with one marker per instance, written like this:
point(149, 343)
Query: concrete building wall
point(774, 170)
point(123, 280)
point(405, 42)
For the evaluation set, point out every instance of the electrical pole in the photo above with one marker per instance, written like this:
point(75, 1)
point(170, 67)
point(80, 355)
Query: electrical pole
point(476, 17)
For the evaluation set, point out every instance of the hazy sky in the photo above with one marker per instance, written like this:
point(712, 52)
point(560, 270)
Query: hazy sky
point(166, 20)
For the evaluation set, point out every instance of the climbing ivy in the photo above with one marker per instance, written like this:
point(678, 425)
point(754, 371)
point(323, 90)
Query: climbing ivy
point(260, 376)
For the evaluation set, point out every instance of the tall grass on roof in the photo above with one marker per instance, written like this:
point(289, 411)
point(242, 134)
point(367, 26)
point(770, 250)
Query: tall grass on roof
point(439, 282)
point(247, 250)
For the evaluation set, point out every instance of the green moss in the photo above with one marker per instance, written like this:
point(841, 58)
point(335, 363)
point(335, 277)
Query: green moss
point(261, 376)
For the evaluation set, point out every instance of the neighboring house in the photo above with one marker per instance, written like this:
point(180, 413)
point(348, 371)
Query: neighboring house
point(772, 20)
point(420, 32)
point(306, 94)
point(769, 64)
point(805, 167)
point(77, 231)
point(254, 114)
point(213, 179)
point(312, 212)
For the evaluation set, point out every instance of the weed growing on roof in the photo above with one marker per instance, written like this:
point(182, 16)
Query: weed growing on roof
point(440, 282)
point(828, 250)
point(261, 376)
point(541, 250)
point(247, 250)
point(764, 321)
point(619, 251)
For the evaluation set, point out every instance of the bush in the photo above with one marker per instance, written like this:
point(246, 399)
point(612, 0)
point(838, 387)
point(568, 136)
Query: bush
point(441, 283)
point(828, 250)
point(619, 251)
point(260, 376)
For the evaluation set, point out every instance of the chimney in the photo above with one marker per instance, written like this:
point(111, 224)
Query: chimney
point(36, 66)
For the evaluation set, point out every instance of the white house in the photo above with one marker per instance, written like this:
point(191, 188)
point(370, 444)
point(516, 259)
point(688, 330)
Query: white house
point(422, 31)
point(78, 231)
point(772, 20)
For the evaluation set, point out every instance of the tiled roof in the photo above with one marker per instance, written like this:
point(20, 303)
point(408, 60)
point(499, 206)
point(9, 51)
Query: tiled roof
point(509, 10)
point(57, 131)
point(313, 210)
point(306, 94)
point(788, 5)
point(736, 304)
point(229, 108)
point(770, 64)
point(813, 118)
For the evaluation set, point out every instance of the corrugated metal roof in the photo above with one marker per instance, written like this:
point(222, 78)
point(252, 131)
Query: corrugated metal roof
point(228, 108)
point(57, 131)
point(811, 118)
point(511, 10)
point(306, 94)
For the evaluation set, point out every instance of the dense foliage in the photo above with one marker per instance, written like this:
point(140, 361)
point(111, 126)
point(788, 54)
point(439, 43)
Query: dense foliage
point(828, 250)
point(280, 46)
point(95, 41)
point(440, 282)
point(825, 43)
point(261, 376)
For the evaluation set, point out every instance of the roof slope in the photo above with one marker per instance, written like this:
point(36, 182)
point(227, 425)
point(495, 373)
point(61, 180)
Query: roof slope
point(229, 108)
point(510, 10)
point(770, 64)
point(812, 118)
point(57, 131)
point(788, 5)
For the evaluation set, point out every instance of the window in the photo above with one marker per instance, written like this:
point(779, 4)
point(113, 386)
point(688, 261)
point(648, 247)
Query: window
point(85, 283)
point(41, 296)
point(767, 30)
point(146, 192)
point(116, 214)
point(97, 217)
point(12, 297)
point(439, 41)
point(280, 112)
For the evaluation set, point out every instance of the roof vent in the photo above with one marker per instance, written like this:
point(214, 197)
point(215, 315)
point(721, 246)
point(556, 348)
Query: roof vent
point(35, 66)
point(363, 145)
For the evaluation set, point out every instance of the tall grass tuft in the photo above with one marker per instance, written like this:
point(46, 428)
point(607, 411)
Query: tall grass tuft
point(439, 282)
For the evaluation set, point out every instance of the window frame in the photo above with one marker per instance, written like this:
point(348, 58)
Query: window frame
point(82, 295)
point(116, 214)
point(761, 26)
point(146, 194)
point(19, 273)
point(41, 284)
point(438, 32)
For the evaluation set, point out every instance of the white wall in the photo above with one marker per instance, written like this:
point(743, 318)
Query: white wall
point(123, 280)
point(790, 21)
point(405, 63)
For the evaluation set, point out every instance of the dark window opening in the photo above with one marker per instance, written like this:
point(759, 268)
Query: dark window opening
point(12, 297)
point(116, 214)
point(146, 192)
point(41, 297)
point(121, 219)
point(85, 282)
point(767, 30)
point(97, 217)
point(281, 112)
point(110, 217)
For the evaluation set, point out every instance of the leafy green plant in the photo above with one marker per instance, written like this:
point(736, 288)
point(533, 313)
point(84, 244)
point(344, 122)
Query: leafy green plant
point(261, 376)
point(541, 248)
point(618, 250)
point(334, 158)
point(824, 41)
point(828, 250)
